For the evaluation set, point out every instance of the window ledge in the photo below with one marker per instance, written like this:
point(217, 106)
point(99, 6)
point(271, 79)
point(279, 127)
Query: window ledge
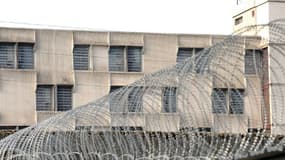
point(16, 69)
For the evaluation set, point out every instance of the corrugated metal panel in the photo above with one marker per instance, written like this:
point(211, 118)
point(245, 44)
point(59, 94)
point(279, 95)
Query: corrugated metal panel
point(116, 58)
point(64, 98)
point(184, 53)
point(236, 101)
point(44, 98)
point(219, 100)
point(252, 62)
point(7, 55)
point(169, 100)
point(80, 57)
point(25, 56)
point(134, 59)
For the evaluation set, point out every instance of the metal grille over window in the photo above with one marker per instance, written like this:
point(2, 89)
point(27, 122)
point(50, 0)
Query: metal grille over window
point(169, 99)
point(64, 98)
point(253, 62)
point(219, 100)
point(134, 59)
point(80, 57)
point(25, 56)
point(135, 99)
point(114, 99)
point(236, 101)
point(7, 55)
point(116, 58)
point(44, 98)
point(201, 59)
point(184, 53)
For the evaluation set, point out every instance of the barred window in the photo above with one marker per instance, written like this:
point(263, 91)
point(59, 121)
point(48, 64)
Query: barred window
point(7, 55)
point(184, 53)
point(135, 99)
point(25, 56)
point(64, 98)
point(116, 58)
point(236, 101)
point(253, 61)
point(80, 57)
point(44, 98)
point(114, 99)
point(201, 59)
point(219, 100)
point(134, 59)
point(169, 100)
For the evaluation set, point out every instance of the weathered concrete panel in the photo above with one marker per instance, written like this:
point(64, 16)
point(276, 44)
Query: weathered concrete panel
point(91, 38)
point(17, 97)
point(126, 39)
point(123, 79)
point(130, 119)
point(160, 51)
point(54, 57)
point(17, 35)
point(195, 103)
point(226, 123)
point(100, 58)
point(90, 86)
point(199, 41)
point(253, 101)
point(163, 122)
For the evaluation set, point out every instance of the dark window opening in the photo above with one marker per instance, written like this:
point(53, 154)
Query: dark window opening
point(238, 20)
point(236, 101)
point(134, 55)
point(116, 58)
point(169, 100)
point(219, 100)
point(7, 55)
point(135, 99)
point(81, 57)
point(64, 98)
point(25, 52)
point(253, 62)
point(44, 98)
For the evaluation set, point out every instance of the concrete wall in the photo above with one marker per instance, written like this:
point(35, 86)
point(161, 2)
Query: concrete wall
point(54, 66)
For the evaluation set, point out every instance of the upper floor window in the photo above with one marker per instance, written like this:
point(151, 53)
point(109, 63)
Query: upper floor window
point(25, 56)
point(16, 55)
point(123, 59)
point(7, 55)
point(54, 98)
point(238, 20)
point(81, 57)
point(228, 101)
point(169, 99)
point(198, 58)
point(253, 61)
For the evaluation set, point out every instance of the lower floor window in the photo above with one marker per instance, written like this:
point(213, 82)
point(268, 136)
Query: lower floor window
point(226, 100)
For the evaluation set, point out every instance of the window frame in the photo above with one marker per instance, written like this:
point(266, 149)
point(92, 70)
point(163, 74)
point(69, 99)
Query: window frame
point(16, 56)
point(79, 66)
point(57, 97)
point(228, 97)
point(125, 59)
point(255, 55)
point(163, 102)
point(51, 96)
